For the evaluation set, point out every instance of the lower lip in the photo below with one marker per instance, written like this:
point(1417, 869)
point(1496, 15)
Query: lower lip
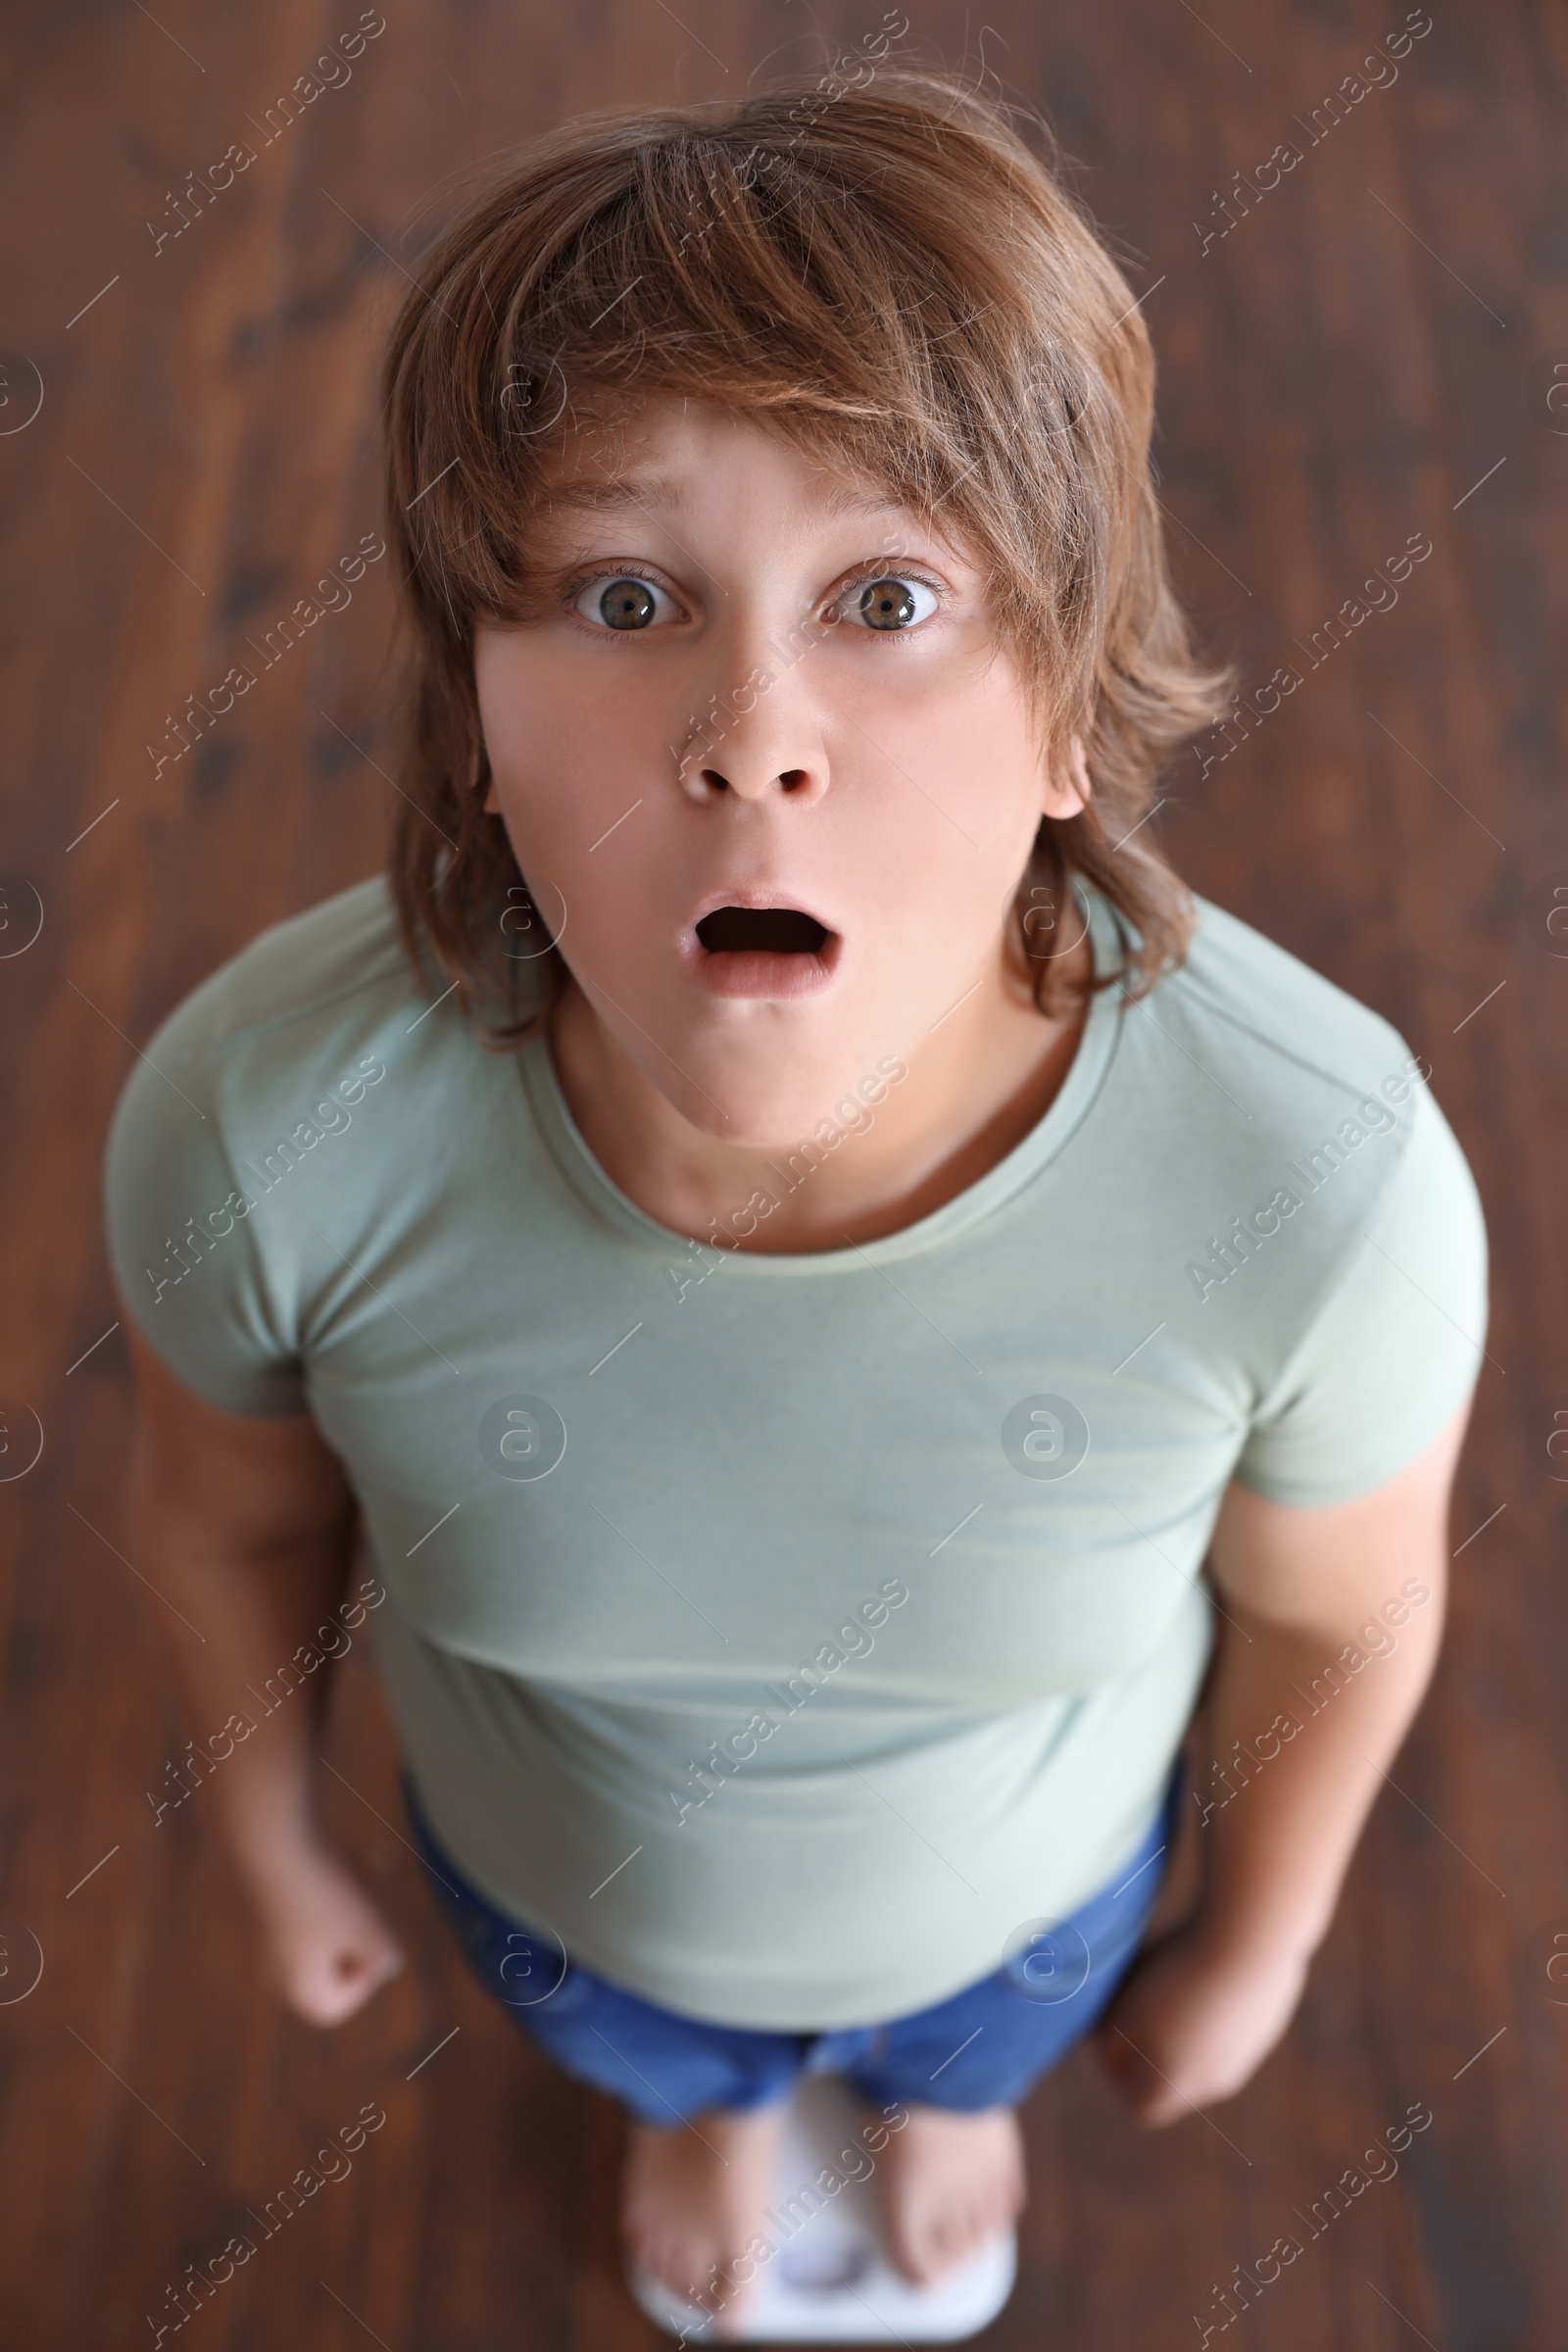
point(757, 973)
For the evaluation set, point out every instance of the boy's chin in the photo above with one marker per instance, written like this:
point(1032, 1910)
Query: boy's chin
point(777, 1119)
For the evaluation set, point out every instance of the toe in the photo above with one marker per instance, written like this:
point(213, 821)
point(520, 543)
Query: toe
point(908, 2255)
point(929, 2253)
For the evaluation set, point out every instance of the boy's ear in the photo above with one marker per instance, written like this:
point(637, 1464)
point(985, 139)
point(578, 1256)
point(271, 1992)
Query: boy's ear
point(492, 806)
point(1067, 794)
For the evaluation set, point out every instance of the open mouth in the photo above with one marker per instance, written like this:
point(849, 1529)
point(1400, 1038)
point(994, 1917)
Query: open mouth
point(735, 951)
point(767, 930)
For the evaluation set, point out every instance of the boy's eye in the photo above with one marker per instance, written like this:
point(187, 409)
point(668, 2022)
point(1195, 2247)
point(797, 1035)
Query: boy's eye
point(893, 602)
point(627, 602)
point(623, 602)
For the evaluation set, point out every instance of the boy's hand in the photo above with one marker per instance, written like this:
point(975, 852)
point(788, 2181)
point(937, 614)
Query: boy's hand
point(326, 1948)
point(1192, 2022)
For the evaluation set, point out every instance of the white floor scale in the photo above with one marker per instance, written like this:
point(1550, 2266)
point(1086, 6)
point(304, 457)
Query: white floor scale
point(828, 2279)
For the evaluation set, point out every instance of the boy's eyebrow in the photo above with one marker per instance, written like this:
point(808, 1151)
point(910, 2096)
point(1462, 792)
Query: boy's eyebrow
point(658, 494)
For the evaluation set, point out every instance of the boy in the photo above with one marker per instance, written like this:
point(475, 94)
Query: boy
point(799, 1235)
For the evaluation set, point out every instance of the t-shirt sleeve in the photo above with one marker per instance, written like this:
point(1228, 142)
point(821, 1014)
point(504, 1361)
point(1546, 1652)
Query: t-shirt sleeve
point(1397, 1343)
point(185, 1257)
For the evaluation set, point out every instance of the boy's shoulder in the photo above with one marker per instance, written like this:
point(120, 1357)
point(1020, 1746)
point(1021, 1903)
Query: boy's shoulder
point(302, 971)
point(1275, 1011)
point(304, 1005)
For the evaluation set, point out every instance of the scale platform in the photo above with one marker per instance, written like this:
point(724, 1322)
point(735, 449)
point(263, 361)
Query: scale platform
point(827, 2279)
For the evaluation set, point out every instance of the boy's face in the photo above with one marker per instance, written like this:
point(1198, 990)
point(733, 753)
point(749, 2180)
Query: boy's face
point(719, 708)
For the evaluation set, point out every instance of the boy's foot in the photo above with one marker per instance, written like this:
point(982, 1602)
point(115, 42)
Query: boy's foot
point(693, 2200)
point(948, 2181)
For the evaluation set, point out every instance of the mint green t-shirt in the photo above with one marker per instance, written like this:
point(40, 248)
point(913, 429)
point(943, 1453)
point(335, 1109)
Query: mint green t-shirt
point(785, 1632)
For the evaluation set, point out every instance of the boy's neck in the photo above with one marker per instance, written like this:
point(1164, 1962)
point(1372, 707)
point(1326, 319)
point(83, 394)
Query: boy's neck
point(963, 1108)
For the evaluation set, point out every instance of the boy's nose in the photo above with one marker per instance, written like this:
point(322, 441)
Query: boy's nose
point(737, 778)
point(761, 735)
point(759, 756)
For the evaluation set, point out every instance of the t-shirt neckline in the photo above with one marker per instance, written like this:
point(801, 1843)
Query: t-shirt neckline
point(1096, 1046)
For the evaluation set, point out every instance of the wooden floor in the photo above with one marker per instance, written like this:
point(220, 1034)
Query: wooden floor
point(1368, 354)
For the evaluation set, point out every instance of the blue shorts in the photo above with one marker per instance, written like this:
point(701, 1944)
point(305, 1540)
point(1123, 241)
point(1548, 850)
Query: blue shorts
point(982, 2048)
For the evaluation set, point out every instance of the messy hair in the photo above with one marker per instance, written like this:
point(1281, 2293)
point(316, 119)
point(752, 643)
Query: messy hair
point(890, 277)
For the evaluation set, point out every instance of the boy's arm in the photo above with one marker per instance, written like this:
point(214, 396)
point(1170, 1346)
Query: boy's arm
point(1301, 1735)
point(244, 1529)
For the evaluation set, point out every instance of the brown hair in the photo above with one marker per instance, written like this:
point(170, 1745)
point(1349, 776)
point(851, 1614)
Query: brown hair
point(888, 275)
